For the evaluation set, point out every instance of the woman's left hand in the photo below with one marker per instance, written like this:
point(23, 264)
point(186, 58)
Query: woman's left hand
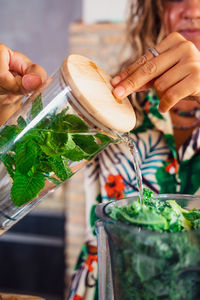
point(174, 74)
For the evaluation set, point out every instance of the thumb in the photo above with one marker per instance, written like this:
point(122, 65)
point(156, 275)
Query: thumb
point(31, 81)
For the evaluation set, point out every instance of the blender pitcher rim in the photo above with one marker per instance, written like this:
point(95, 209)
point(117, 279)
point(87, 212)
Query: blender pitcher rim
point(101, 212)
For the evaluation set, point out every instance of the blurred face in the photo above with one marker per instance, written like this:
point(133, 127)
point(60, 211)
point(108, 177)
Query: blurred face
point(183, 16)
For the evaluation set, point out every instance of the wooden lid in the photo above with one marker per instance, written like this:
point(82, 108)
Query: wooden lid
point(91, 86)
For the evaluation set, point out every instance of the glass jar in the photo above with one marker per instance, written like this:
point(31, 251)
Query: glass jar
point(141, 264)
point(51, 136)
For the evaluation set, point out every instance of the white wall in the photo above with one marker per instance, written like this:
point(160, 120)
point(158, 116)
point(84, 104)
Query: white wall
point(103, 10)
point(39, 28)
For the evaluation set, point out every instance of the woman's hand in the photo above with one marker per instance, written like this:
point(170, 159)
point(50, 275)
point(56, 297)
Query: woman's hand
point(175, 73)
point(18, 76)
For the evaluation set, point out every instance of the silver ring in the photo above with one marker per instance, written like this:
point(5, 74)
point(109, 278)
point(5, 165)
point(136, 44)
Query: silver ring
point(154, 51)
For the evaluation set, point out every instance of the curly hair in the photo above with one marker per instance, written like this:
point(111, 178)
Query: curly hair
point(144, 29)
point(144, 25)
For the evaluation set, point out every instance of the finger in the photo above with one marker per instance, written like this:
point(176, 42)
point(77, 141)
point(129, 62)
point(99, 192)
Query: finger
point(32, 75)
point(13, 63)
point(174, 94)
point(149, 71)
point(169, 42)
point(174, 75)
point(7, 80)
point(129, 70)
point(31, 82)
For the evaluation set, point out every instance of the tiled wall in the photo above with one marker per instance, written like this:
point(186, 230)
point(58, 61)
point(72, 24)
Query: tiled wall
point(102, 43)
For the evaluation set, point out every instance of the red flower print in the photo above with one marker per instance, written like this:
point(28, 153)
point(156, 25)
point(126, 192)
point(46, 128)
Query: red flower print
point(172, 167)
point(115, 186)
point(147, 107)
point(77, 297)
point(91, 258)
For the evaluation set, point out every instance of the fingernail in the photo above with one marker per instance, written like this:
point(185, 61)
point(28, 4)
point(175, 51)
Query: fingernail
point(31, 82)
point(119, 91)
point(115, 80)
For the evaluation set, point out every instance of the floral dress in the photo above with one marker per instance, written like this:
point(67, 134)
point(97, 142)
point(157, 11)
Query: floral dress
point(111, 175)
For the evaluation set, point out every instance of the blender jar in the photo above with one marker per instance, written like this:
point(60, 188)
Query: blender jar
point(56, 131)
point(141, 264)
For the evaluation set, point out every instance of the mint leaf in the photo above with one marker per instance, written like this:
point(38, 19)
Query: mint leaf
point(76, 154)
point(61, 171)
point(67, 168)
point(21, 122)
point(36, 106)
point(26, 188)
point(26, 155)
point(36, 135)
point(70, 123)
point(104, 138)
point(87, 143)
point(8, 160)
point(53, 180)
point(7, 135)
point(48, 150)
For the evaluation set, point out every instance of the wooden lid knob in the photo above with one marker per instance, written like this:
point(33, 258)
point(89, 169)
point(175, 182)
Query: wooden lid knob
point(91, 86)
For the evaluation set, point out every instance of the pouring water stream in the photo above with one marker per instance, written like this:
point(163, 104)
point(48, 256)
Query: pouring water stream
point(126, 138)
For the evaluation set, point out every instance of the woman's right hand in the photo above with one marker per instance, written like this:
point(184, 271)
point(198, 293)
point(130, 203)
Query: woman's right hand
point(174, 73)
point(18, 76)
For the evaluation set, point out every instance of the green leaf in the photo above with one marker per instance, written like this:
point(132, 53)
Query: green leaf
point(44, 166)
point(87, 143)
point(155, 112)
point(48, 151)
point(56, 119)
point(67, 168)
point(72, 124)
point(21, 122)
point(144, 217)
point(75, 154)
point(146, 124)
point(8, 160)
point(59, 138)
point(26, 188)
point(53, 180)
point(68, 123)
point(61, 170)
point(104, 138)
point(70, 144)
point(166, 181)
point(81, 147)
point(36, 135)
point(36, 106)
point(190, 184)
point(192, 214)
point(177, 208)
point(169, 138)
point(7, 135)
point(26, 154)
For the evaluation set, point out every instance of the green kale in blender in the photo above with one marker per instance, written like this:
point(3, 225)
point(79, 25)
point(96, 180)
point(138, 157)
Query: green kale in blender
point(155, 250)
